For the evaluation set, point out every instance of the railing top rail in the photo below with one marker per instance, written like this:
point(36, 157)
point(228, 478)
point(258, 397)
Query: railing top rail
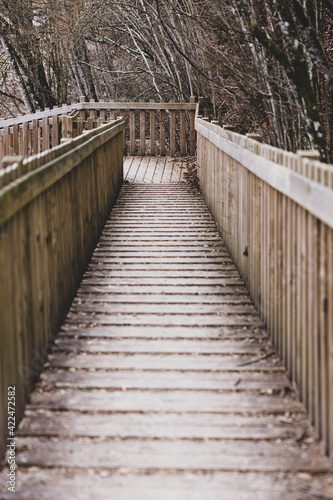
point(106, 105)
point(39, 115)
point(139, 105)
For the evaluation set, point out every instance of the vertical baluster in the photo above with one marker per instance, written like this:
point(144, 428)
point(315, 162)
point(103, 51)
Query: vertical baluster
point(132, 131)
point(152, 131)
point(192, 129)
point(6, 141)
point(35, 136)
point(15, 139)
point(142, 131)
point(25, 135)
point(46, 133)
point(162, 130)
point(55, 131)
point(172, 131)
point(182, 131)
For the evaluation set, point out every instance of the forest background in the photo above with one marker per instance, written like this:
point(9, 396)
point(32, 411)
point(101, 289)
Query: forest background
point(262, 66)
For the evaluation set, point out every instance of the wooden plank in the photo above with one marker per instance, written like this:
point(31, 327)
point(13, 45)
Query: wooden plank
point(15, 136)
point(128, 160)
point(116, 288)
point(36, 116)
point(46, 134)
point(182, 426)
point(149, 173)
point(132, 132)
point(162, 132)
point(159, 169)
point(173, 402)
point(160, 455)
point(176, 320)
point(166, 380)
point(142, 132)
point(227, 296)
point(152, 116)
point(165, 346)
point(182, 133)
point(177, 172)
point(136, 105)
point(140, 175)
point(133, 169)
point(167, 332)
point(200, 264)
point(182, 308)
point(252, 486)
point(172, 133)
point(192, 129)
point(166, 362)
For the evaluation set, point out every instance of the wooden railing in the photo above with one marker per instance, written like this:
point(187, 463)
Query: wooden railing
point(151, 128)
point(52, 209)
point(274, 210)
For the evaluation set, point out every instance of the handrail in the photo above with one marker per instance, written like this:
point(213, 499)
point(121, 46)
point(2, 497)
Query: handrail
point(274, 210)
point(53, 207)
point(161, 131)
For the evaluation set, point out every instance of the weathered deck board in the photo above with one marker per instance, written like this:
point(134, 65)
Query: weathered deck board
point(153, 169)
point(162, 382)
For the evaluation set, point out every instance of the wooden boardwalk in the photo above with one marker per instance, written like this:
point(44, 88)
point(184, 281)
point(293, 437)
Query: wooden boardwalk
point(162, 383)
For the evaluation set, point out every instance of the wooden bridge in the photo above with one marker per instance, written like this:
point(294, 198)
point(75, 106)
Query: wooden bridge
point(196, 359)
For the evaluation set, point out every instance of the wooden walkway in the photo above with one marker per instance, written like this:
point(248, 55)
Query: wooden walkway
point(162, 383)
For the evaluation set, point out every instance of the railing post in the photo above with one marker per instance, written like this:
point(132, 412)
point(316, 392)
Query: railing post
point(15, 139)
point(92, 111)
point(255, 137)
point(25, 136)
point(83, 111)
point(309, 154)
point(152, 131)
point(142, 131)
point(35, 137)
point(200, 103)
point(172, 131)
point(132, 131)
point(192, 128)
point(162, 130)
point(6, 141)
point(182, 131)
point(46, 133)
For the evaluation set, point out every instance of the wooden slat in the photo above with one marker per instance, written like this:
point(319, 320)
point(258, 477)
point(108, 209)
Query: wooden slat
point(142, 132)
point(172, 133)
point(192, 129)
point(182, 133)
point(252, 486)
point(152, 116)
point(189, 426)
point(132, 132)
point(136, 105)
point(160, 455)
point(162, 132)
point(165, 362)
